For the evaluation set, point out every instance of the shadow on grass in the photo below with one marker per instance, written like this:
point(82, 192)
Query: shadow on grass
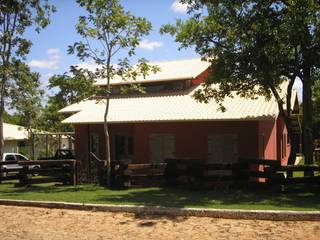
point(245, 199)
point(9, 188)
point(295, 199)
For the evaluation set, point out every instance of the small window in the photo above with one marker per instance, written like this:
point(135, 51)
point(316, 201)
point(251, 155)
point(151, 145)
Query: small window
point(123, 146)
point(94, 143)
point(263, 147)
point(10, 158)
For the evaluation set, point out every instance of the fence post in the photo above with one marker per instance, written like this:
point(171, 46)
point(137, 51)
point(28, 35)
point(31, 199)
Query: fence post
point(73, 176)
point(23, 181)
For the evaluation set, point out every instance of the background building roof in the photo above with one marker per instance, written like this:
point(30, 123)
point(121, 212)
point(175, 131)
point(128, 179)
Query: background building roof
point(14, 132)
point(169, 71)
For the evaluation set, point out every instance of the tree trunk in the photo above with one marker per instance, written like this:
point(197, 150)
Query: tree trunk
point(307, 119)
point(286, 116)
point(107, 137)
point(1, 130)
point(288, 122)
point(1, 120)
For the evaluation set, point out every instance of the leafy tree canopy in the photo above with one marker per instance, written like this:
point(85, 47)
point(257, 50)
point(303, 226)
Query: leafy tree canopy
point(16, 16)
point(69, 88)
point(254, 46)
point(107, 30)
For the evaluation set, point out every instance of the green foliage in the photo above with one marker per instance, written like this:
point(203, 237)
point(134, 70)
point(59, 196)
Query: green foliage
point(108, 29)
point(69, 88)
point(316, 105)
point(16, 16)
point(26, 96)
point(12, 118)
point(253, 45)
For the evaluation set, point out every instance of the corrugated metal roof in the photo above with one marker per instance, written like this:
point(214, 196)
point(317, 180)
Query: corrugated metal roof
point(159, 108)
point(14, 132)
point(170, 70)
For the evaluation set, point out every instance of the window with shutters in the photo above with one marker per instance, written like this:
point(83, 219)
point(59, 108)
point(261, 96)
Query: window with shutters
point(161, 147)
point(222, 148)
point(263, 146)
point(123, 146)
point(94, 144)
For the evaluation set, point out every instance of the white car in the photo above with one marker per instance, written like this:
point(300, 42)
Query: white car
point(14, 157)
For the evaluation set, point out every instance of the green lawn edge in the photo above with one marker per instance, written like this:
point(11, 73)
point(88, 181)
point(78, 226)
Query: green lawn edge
point(168, 197)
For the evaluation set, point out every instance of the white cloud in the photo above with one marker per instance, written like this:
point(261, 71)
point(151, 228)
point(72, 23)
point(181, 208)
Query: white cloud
point(53, 51)
point(91, 66)
point(47, 75)
point(53, 61)
point(179, 7)
point(150, 45)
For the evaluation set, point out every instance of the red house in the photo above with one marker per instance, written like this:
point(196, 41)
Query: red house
point(168, 122)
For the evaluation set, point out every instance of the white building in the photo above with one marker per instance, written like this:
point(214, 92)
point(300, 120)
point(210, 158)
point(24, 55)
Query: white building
point(15, 137)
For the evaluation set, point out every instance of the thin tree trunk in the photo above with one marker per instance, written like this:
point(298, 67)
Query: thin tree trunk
point(107, 137)
point(1, 130)
point(1, 116)
point(307, 119)
point(106, 127)
point(288, 121)
point(286, 116)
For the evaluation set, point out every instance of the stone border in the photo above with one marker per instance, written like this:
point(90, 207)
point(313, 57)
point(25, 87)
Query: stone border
point(174, 212)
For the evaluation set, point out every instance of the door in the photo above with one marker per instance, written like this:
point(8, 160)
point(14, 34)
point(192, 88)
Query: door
point(161, 147)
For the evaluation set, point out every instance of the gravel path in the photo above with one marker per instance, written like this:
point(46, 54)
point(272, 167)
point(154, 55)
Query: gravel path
point(40, 223)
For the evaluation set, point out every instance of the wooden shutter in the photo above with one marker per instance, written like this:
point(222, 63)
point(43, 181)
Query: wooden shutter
point(222, 148)
point(155, 148)
point(168, 143)
point(161, 146)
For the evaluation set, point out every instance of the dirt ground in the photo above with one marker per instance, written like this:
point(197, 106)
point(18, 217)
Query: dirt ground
point(40, 223)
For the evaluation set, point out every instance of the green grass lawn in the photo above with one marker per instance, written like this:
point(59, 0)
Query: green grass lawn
point(169, 197)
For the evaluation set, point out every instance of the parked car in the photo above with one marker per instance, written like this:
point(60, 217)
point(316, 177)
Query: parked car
point(14, 157)
point(59, 155)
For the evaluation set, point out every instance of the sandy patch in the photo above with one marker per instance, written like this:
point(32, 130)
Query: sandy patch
point(49, 224)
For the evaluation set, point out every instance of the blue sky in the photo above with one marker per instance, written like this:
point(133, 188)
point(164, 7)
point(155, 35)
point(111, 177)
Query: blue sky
point(49, 56)
point(49, 51)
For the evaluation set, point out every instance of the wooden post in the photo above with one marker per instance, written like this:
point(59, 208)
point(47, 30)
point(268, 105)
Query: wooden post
point(32, 147)
point(59, 141)
point(47, 146)
point(23, 180)
point(73, 175)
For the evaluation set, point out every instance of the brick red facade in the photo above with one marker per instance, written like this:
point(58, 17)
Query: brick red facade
point(191, 138)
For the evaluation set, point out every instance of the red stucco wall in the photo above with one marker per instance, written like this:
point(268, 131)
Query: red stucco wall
point(201, 78)
point(190, 137)
point(268, 138)
point(283, 146)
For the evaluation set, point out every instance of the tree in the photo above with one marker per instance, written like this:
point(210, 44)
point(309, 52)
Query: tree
point(316, 104)
point(254, 46)
point(70, 88)
point(15, 17)
point(26, 98)
point(107, 30)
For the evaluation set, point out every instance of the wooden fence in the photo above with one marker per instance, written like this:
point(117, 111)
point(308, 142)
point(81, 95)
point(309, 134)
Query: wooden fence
point(199, 174)
point(41, 171)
